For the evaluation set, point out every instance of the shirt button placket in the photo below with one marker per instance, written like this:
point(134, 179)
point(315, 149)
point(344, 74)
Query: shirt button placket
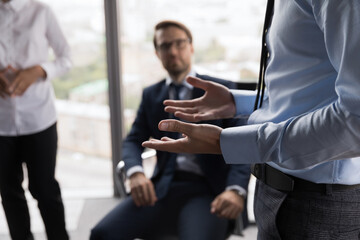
point(11, 41)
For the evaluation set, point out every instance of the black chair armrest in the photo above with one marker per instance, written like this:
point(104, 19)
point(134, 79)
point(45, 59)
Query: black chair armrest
point(239, 227)
point(120, 179)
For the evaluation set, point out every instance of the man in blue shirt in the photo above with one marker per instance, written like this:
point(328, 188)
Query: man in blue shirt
point(305, 139)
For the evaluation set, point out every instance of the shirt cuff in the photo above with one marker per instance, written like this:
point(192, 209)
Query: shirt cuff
point(239, 145)
point(133, 170)
point(56, 68)
point(244, 101)
point(49, 69)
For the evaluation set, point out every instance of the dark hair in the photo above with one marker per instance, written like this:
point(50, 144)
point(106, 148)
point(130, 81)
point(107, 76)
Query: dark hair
point(170, 23)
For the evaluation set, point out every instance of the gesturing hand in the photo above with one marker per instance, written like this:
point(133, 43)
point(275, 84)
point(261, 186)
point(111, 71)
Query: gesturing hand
point(24, 78)
point(198, 138)
point(227, 205)
point(216, 103)
point(142, 190)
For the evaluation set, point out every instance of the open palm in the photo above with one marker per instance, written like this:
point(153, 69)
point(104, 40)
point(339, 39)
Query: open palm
point(216, 103)
point(198, 138)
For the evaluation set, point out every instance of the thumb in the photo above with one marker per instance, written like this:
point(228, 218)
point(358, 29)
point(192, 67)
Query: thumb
point(171, 125)
point(198, 83)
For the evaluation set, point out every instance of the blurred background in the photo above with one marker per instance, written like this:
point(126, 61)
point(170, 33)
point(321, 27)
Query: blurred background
point(227, 40)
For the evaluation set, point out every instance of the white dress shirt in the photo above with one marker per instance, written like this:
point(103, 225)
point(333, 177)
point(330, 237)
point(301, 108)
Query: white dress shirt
point(309, 125)
point(28, 29)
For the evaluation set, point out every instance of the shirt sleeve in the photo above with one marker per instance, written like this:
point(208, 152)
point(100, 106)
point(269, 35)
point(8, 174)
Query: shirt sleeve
point(331, 132)
point(58, 43)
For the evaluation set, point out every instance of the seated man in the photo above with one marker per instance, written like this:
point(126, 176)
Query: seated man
point(192, 196)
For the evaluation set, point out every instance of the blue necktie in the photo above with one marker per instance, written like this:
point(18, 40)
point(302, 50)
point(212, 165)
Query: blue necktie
point(177, 88)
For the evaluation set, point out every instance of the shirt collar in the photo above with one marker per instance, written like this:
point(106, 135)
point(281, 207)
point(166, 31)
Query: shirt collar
point(192, 73)
point(15, 5)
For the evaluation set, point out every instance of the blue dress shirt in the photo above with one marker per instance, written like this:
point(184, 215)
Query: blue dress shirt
point(309, 124)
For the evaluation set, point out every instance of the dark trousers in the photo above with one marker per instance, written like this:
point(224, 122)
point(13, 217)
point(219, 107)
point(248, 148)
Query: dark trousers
point(307, 215)
point(38, 152)
point(184, 211)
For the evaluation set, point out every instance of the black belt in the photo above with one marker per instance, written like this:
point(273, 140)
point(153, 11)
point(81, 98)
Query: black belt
point(286, 183)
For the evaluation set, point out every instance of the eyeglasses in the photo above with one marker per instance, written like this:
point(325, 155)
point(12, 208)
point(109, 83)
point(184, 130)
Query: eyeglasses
point(179, 44)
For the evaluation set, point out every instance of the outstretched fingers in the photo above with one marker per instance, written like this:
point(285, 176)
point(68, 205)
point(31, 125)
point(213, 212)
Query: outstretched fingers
point(190, 114)
point(173, 109)
point(194, 117)
point(180, 103)
point(167, 145)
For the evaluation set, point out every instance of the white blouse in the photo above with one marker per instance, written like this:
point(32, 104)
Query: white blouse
point(28, 30)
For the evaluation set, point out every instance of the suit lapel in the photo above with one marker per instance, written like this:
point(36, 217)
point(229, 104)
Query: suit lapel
point(160, 97)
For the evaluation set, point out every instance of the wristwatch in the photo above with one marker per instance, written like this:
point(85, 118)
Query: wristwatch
point(241, 192)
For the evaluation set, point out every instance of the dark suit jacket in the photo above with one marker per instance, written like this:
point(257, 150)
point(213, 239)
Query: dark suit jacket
point(151, 111)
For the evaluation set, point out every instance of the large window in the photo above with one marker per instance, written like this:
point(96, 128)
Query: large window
point(84, 165)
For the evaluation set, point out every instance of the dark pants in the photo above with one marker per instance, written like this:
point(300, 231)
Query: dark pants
point(306, 215)
point(184, 211)
point(38, 152)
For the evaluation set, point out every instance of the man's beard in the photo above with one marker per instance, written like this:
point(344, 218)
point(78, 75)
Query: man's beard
point(176, 71)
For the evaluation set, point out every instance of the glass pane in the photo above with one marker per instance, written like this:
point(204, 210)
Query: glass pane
point(84, 165)
point(82, 94)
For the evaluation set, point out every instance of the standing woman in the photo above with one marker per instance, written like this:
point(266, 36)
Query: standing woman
point(28, 134)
